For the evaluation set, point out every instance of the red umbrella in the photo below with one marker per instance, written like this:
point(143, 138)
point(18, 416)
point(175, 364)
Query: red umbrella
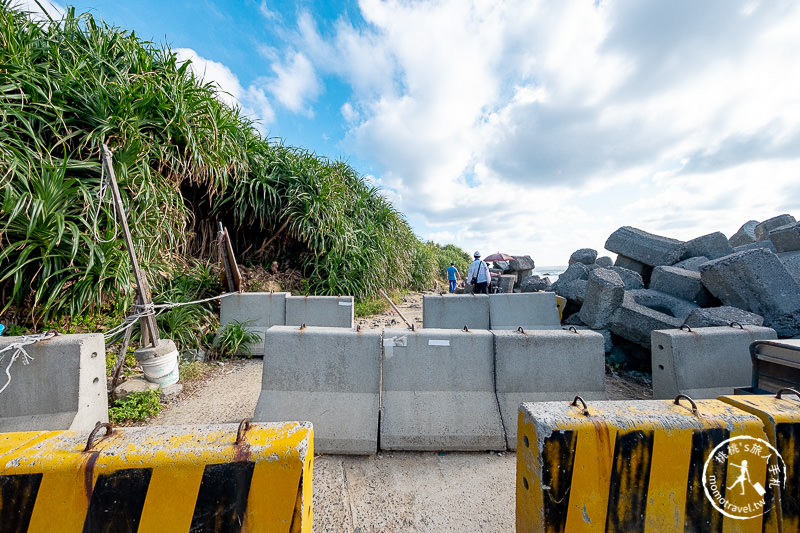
point(498, 257)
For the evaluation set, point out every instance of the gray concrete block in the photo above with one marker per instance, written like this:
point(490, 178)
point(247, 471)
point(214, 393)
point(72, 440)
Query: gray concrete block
point(258, 311)
point(604, 261)
point(632, 280)
point(791, 260)
point(745, 235)
point(693, 263)
point(324, 311)
point(327, 376)
point(786, 238)
point(757, 281)
point(63, 387)
point(681, 283)
point(605, 291)
point(546, 365)
point(586, 256)
point(438, 391)
point(722, 316)
point(530, 310)
point(574, 272)
point(574, 291)
point(454, 311)
point(703, 362)
point(521, 262)
point(643, 311)
point(507, 282)
point(713, 246)
point(644, 247)
point(627, 263)
point(762, 230)
point(534, 283)
point(758, 245)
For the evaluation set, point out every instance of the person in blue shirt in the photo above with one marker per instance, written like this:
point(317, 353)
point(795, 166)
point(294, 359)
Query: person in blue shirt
point(479, 271)
point(452, 276)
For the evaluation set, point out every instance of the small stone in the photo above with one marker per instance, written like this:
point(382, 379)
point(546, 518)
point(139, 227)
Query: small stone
point(131, 385)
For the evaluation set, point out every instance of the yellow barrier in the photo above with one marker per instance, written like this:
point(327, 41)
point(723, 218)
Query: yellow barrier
point(780, 415)
point(199, 478)
point(631, 466)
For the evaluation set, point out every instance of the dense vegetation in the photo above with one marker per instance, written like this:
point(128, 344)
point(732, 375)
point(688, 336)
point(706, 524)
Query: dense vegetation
point(184, 161)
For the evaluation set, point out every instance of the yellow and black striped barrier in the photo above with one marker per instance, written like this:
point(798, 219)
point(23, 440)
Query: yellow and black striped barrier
point(648, 466)
point(780, 414)
point(199, 478)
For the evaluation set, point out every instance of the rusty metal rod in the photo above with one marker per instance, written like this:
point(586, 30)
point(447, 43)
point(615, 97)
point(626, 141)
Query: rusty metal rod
point(395, 308)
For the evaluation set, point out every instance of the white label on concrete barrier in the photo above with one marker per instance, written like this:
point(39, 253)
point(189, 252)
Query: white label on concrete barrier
point(433, 342)
point(346, 304)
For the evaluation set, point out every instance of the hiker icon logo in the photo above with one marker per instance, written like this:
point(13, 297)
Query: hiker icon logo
point(739, 477)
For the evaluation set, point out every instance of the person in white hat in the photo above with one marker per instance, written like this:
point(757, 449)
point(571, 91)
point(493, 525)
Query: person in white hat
point(478, 275)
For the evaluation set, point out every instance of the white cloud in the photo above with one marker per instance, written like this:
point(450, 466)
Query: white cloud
point(51, 9)
point(295, 82)
point(252, 100)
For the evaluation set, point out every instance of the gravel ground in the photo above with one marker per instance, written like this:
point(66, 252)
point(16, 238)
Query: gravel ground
point(408, 492)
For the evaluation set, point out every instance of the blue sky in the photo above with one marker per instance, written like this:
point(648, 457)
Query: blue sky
point(528, 127)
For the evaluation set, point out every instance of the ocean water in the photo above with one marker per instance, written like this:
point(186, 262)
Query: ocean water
point(551, 272)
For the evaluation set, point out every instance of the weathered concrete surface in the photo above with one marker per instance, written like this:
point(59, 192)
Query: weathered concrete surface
point(604, 261)
point(531, 310)
point(325, 311)
point(646, 310)
point(693, 263)
point(438, 391)
point(745, 235)
point(454, 311)
point(722, 316)
point(546, 365)
point(644, 247)
point(534, 283)
point(257, 310)
point(521, 263)
point(328, 376)
point(762, 230)
point(632, 280)
point(415, 492)
point(703, 362)
point(63, 386)
point(605, 291)
point(757, 246)
point(757, 281)
point(786, 238)
point(507, 282)
point(681, 283)
point(713, 246)
point(586, 256)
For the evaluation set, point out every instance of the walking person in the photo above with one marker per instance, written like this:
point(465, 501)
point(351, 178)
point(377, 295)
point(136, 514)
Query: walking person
point(452, 276)
point(479, 276)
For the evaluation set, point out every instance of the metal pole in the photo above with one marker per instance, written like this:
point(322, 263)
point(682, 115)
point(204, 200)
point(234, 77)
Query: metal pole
point(395, 308)
point(147, 323)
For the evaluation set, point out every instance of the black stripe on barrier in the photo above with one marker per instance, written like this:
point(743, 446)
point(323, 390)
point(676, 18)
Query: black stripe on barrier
point(222, 498)
point(558, 456)
point(700, 514)
point(630, 477)
point(786, 437)
point(17, 496)
point(117, 500)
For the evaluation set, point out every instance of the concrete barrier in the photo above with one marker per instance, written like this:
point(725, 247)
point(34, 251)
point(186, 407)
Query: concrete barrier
point(703, 362)
point(528, 310)
point(257, 310)
point(62, 387)
point(644, 465)
point(199, 478)
point(328, 376)
point(454, 311)
point(540, 365)
point(324, 311)
point(438, 391)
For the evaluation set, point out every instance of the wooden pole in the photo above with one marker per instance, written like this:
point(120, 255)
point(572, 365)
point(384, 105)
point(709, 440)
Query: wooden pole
point(395, 308)
point(147, 323)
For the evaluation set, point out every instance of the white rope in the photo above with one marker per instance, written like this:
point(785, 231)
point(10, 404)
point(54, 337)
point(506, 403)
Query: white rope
point(19, 351)
point(101, 198)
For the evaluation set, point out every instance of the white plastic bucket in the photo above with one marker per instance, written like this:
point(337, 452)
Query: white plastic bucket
point(161, 370)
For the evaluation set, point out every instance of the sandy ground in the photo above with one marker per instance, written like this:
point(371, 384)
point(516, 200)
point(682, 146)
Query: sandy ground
point(387, 492)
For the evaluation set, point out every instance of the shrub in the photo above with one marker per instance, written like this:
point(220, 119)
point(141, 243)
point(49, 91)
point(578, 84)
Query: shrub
point(136, 407)
point(234, 339)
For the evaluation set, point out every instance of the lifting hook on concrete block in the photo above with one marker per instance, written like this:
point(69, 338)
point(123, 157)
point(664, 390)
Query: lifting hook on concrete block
point(466, 328)
point(575, 404)
point(572, 329)
point(90, 443)
point(520, 330)
point(736, 324)
point(793, 391)
point(303, 326)
point(678, 401)
point(244, 425)
point(686, 327)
